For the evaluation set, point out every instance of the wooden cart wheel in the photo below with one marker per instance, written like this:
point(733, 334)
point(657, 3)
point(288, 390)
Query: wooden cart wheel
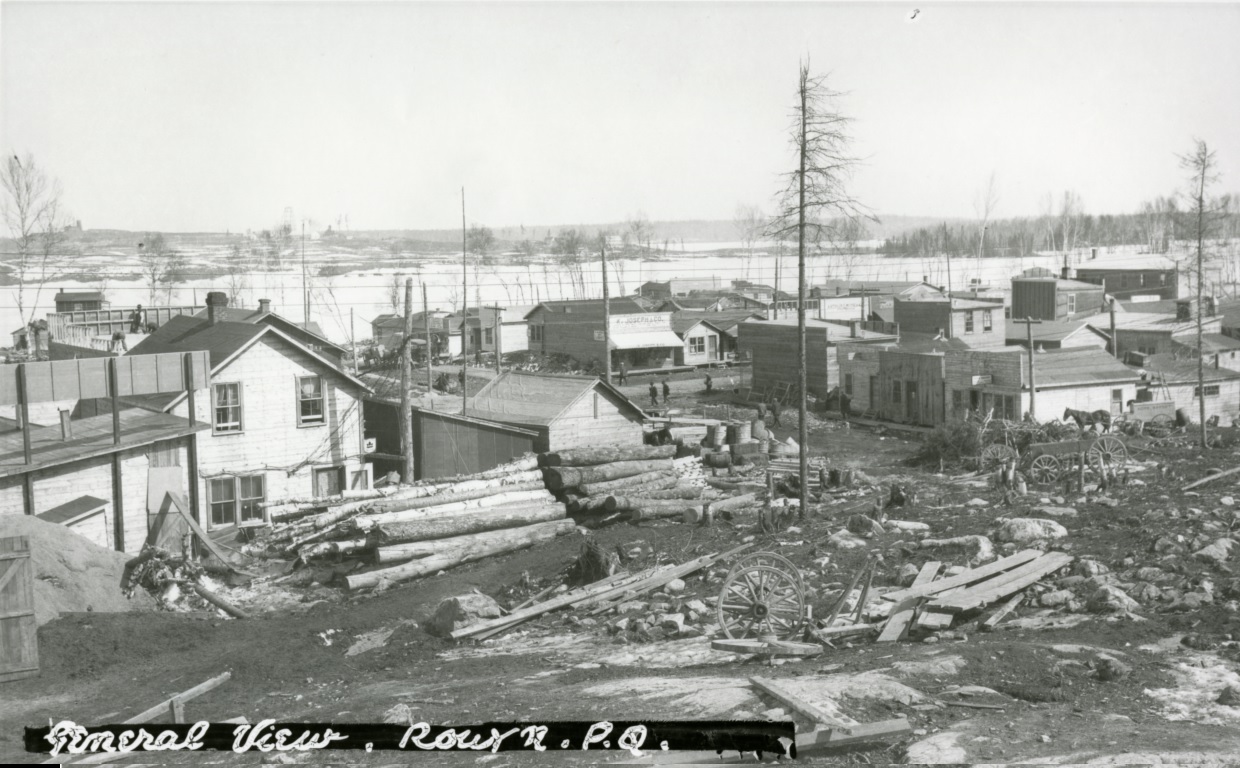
point(761, 601)
point(995, 454)
point(1109, 450)
point(1045, 469)
point(768, 558)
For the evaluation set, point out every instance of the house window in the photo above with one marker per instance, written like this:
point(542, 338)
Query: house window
point(1071, 303)
point(848, 384)
point(968, 322)
point(987, 320)
point(488, 336)
point(895, 391)
point(236, 499)
point(227, 407)
point(697, 345)
point(1007, 313)
point(1211, 390)
point(309, 400)
point(536, 333)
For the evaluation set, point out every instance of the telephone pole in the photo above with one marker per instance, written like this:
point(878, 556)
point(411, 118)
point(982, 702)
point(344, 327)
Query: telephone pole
point(1114, 340)
point(305, 287)
point(406, 371)
point(1033, 406)
point(426, 327)
point(606, 314)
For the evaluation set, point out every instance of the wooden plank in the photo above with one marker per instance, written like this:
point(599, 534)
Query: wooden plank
point(1002, 586)
point(926, 574)
point(935, 619)
point(823, 714)
point(19, 646)
point(902, 614)
point(1003, 611)
point(1210, 479)
point(968, 577)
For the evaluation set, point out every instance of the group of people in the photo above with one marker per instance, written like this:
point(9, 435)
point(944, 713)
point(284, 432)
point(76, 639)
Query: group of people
point(137, 324)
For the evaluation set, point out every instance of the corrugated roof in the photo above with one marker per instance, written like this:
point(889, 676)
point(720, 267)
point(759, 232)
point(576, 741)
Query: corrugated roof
point(1077, 365)
point(523, 398)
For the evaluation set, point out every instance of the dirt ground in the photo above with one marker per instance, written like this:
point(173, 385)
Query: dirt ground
point(1035, 676)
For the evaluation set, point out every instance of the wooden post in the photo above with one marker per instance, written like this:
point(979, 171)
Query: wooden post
point(1029, 323)
point(802, 379)
point(188, 371)
point(114, 391)
point(464, 312)
point(28, 493)
point(353, 340)
point(191, 445)
point(606, 314)
point(406, 376)
point(426, 327)
point(23, 408)
point(1114, 341)
point(118, 503)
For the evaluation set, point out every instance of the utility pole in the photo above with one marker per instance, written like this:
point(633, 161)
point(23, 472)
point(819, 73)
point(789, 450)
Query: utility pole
point(1114, 340)
point(803, 432)
point(305, 287)
point(606, 314)
point(353, 340)
point(426, 327)
point(1029, 323)
point(406, 371)
point(464, 310)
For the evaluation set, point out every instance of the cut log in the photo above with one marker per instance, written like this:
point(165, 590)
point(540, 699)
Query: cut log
point(605, 454)
point(366, 522)
point(653, 509)
point(659, 480)
point(1210, 478)
point(677, 492)
point(573, 477)
point(399, 553)
point(346, 547)
point(442, 527)
point(439, 499)
point(220, 602)
point(734, 503)
point(482, 545)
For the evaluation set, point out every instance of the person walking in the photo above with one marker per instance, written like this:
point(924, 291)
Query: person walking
point(710, 384)
point(654, 394)
point(624, 373)
point(667, 391)
point(775, 422)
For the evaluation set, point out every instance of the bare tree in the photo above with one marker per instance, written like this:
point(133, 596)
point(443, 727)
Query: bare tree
point(815, 200)
point(984, 204)
point(480, 241)
point(237, 275)
point(31, 211)
point(396, 293)
point(1201, 220)
point(749, 221)
point(636, 234)
point(157, 267)
point(1070, 210)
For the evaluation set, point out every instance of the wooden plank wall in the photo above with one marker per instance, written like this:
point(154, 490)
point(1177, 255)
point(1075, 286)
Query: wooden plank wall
point(19, 648)
point(60, 380)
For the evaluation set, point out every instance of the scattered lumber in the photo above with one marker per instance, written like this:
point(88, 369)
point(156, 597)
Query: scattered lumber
point(446, 526)
point(902, 614)
point(652, 480)
point(558, 478)
point(964, 579)
point(1012, 603)
point(519, 615)
point(496, 542)
point(826, 714)
point(931, 619)
point(605, 454)
point(620, 589)
point(1210, 479)
point(766, 647)
point(1001, 586)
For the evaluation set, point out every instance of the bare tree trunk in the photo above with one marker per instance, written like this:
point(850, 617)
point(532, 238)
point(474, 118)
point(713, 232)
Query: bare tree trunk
point(803, 429)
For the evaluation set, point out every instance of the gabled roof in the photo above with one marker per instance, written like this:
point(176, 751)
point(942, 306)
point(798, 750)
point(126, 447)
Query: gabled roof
point(223, 342)
point(1212, 343)
point(256, 316)
point(728, 320)
point(1140, 321)
point(1050, 330)
point(1061, 282)
point(522, 398)
point(682, 323)
point(616, 305)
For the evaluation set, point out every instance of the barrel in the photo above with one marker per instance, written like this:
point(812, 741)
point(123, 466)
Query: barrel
point(744, 432)
point(731, 432)
point(717, 436)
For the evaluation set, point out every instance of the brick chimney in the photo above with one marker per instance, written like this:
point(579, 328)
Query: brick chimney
point(216, 302)
point(264, 306)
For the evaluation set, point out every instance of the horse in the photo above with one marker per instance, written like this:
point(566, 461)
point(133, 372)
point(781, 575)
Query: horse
point(1088, 419)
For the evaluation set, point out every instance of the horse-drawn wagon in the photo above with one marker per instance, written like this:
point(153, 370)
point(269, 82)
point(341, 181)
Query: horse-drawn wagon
point(1047, 462)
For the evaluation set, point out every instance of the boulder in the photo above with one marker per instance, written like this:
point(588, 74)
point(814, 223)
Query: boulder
point(1089, 568)
point(1110, 668)
point(1146, 593)
point(976, 547)
point(1111, 599)
point(907, 526)
point(674, 587)
point(1057, 598)
point(1023, 530)
point(977, 503)
point(672, 621)
point(862, 525)
point(1058, 511)
point(1230, 696)
point(845, 540)
point(697, 606)
point(458, 612)
point(1218, 552)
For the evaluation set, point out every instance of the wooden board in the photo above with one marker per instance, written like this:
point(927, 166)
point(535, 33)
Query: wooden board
point(19, 646)
point(935, 619)
point(825, 714)
point(1003, 611)
point(1001, 586)
point(766, 647)
point(968, 577)
point(902, 614)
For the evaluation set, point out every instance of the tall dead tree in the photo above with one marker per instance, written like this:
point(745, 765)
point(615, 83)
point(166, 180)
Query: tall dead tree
point(31, 210)
point(984, 204)
point(813, 204)
point(1201, 219)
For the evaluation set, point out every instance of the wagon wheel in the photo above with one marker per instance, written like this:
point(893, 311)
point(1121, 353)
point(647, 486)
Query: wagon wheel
point(770, 559)
point(1161, 425)
point(1045, 469)
point(1108, 451)
point(996, 454)
point(761, 600)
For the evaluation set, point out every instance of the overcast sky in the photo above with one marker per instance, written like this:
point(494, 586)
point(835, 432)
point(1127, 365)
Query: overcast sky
point(213, 116)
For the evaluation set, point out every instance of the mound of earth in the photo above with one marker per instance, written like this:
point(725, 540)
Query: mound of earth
point(71, 573)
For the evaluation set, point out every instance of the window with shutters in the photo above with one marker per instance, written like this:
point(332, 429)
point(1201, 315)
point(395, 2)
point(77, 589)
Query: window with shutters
point(310, 401)
point(228, 407)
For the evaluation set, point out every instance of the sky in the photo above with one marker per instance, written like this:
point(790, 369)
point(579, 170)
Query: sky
point(217, 116)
